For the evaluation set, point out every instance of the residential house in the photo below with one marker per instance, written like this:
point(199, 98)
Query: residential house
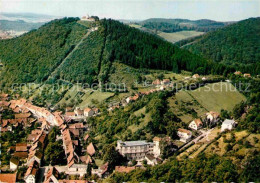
point(14, 162)
point(237, 73)
point(151, 160)
point(78, 112)
point(156, 82)
point(204, 79)
point(52, 175)
point(165, 81)
point(185, 135)
point(195, 76)
point(228, 124)
point(31, 173)
point(96, 110)
point(8, 177)
point(31, 138)
point(246, 75)
point(88, 112)
point(196, 124)
point(102, 171)
point(35, 155)
point(22, 115)
point(21, 147)
point(132, 98)
point(213, 117)
point(91, 149)
point(135, 149)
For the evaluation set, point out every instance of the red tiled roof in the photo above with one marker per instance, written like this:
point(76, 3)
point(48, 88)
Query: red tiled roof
point(91, 149)
point(22, 147)
point(32, 169)
point(198, 122)
point(86, 137)
point(184, 131)
point(21, 154)
point(8, 177)
point(22, 115)
point(87, 109)
point(124, 169)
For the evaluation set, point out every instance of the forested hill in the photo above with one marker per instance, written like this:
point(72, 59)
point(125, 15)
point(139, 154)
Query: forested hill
point(77, 51)
point(235, 44)
point(175, 25)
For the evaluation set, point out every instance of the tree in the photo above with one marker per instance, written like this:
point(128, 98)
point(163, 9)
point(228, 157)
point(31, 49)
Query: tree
point(112, 156)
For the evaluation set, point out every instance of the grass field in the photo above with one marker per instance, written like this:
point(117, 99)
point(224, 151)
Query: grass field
point(182, 104)
point(217, 96)
point(177, 36)
point(135, 26)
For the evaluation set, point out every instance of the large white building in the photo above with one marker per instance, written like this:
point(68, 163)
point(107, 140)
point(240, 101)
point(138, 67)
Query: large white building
point(228, 124)
point(137, 150)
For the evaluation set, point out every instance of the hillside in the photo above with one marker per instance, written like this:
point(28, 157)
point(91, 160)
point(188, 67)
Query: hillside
point(176, 25)
point(235, 44)
point(89, 51)
point(18, 25)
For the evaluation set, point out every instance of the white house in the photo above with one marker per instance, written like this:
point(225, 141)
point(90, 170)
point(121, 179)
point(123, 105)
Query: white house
point(196, 124)
point(228, 124)
point(185, 135)
point(88, 112)
point(14, 164)
point(31, 173)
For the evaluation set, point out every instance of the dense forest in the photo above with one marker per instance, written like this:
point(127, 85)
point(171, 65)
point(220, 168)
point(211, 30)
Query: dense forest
point(33, 56)
point(236, 44)
point(66, 49)
point(204, 168)
point(175, 25)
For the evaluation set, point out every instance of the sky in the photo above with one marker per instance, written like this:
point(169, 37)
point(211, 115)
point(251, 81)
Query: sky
point(220, 10)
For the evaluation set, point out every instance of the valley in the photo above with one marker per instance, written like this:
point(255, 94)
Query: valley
point(96, 100)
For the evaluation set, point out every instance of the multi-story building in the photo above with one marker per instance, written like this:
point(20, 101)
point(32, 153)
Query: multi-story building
point(136, 150)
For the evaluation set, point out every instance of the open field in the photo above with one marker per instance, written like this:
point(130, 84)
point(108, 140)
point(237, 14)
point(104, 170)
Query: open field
point(217, 96)
point(185, 107)
point(177, 36)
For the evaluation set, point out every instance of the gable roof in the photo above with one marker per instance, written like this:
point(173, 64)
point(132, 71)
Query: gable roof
point(8, 177)
point(52, 171)
point(32, 169)
point(198, 122)
point(21, 147)
point(91, 149)
point(184, 131)
point(14, 161)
